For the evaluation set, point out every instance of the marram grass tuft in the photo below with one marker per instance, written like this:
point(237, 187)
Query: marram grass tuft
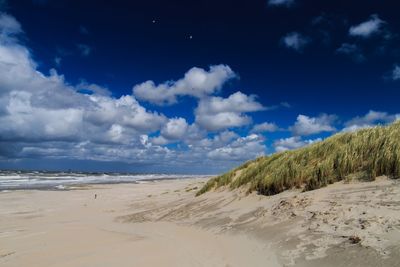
point(365, 154)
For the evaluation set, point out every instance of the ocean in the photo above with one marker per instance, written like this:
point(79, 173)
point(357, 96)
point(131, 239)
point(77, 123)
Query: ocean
point(18, 180)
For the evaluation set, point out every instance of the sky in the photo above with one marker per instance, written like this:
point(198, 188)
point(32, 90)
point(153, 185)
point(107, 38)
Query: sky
point(189, 86)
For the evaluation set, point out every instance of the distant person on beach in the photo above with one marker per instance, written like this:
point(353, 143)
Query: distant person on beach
point(95, 196)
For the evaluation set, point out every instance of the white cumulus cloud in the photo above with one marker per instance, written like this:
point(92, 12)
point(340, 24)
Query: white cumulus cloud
point(217, 113)
point(9, 27)
point(370, 119)
point(45, 108)
point(243, 148)
point(293, 142)
point(306, 125)
point(175, 129)
point(197, 82)
point(265, 127)
point(367, 28)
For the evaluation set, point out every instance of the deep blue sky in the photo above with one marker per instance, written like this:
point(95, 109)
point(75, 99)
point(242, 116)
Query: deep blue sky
point(129, 43)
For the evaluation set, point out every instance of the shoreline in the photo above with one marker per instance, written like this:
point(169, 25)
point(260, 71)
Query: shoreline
point(128, 224)
point(75, 186)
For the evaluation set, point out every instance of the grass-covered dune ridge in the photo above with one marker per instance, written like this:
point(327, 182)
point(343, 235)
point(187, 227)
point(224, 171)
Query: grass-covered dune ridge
point(364, 154)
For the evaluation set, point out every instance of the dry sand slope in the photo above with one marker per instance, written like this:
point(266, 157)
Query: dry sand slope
point(163, 224)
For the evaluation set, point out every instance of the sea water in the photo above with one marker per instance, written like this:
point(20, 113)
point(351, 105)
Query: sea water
point(16, 180)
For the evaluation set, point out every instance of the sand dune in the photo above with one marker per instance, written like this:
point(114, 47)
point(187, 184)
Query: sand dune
point(162, 224)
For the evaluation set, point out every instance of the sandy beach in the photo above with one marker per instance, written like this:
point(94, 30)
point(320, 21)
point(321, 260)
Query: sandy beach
point(162, 223)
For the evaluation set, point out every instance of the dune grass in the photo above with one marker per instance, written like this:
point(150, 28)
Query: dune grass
point(364, 154)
